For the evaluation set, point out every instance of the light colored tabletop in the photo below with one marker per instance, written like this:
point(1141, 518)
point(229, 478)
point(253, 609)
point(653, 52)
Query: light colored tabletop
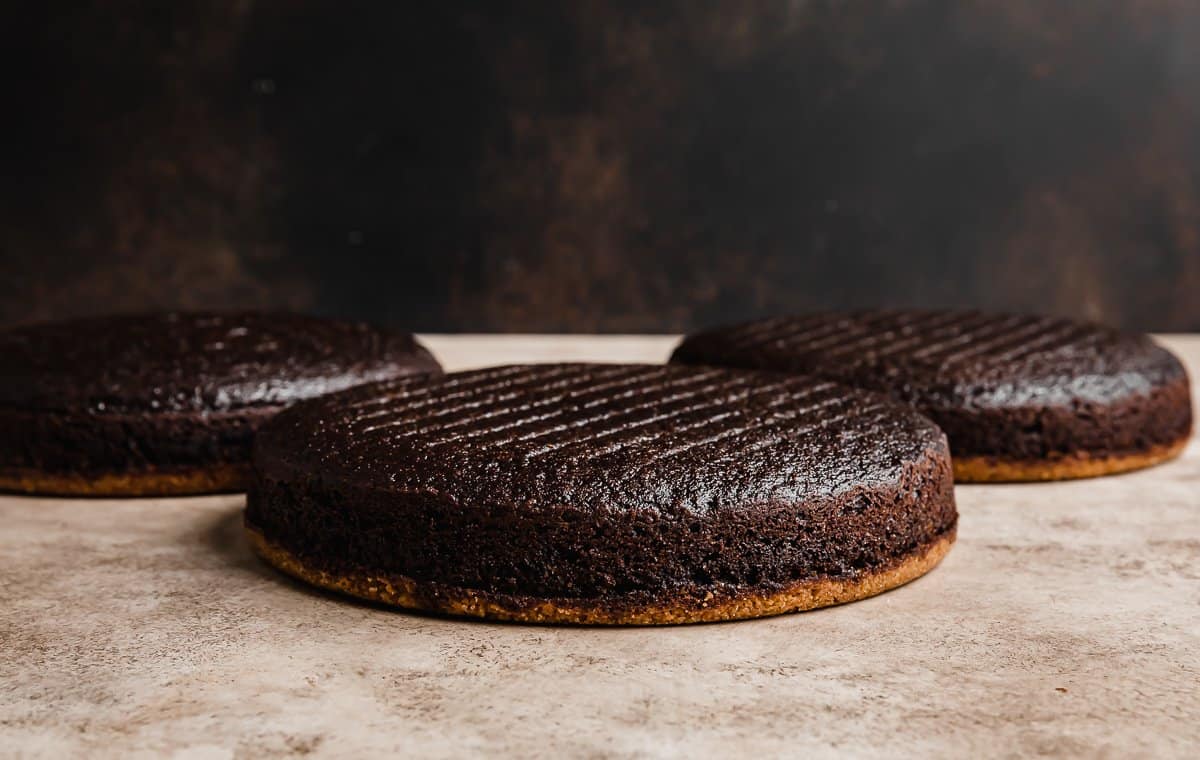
point(1066, 622)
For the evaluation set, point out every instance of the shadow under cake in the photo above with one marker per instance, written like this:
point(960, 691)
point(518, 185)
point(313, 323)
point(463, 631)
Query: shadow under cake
point(168, 403)
point(1020, 397)
point(603, 494)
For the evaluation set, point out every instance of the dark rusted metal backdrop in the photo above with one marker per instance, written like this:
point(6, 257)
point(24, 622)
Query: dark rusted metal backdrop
point(602, 165)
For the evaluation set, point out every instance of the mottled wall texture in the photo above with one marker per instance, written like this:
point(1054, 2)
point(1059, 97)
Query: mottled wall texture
point(602, 166)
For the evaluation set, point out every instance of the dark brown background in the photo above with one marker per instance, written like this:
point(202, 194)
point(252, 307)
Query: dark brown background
point(602, 165)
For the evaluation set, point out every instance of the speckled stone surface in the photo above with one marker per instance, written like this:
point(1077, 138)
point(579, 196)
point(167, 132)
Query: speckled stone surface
point(1065, 622)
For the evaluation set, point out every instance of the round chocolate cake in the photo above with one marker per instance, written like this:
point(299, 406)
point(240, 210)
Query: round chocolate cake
point(168, 403)
point(1020, 397)
point(607, 494)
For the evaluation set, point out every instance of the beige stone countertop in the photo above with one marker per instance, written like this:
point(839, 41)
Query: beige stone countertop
point(1066, 622)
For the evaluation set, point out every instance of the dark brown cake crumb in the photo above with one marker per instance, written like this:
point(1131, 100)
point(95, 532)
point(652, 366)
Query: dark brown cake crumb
point(166, 397)
point(1016, 389)
point(609, 485)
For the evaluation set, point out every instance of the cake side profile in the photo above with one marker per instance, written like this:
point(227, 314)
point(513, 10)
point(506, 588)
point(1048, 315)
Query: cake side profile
point(1019, 397)
point(606, 494)
point(161, 404)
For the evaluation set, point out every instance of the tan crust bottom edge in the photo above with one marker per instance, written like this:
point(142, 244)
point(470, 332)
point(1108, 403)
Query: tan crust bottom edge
point(400, 591)
point(989, 470)
point(216, 479)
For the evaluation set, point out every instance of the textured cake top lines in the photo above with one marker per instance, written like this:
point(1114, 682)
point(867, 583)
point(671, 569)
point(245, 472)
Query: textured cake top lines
point(466, 399)
point(765, 432)
point(610, 415)
point(588, 410)
point(556, 432)
point(1067, 336)
point(474, 401)
point(517, 418)
point(710, 407)
point(581, 406)
point(195, 361)
point(868, 339)
point(820, 330)
point(937, 338)
point(406, 388)
point(1013, 331)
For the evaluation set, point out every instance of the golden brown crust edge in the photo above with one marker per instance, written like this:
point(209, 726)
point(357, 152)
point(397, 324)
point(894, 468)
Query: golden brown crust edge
point(400, 591)
point(1082, 465)
point(216, 479)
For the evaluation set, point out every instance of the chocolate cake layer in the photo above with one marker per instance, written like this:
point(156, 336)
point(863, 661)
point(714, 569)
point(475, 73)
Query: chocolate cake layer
point(615, 488)
point(170, 394)
point(1005, 388)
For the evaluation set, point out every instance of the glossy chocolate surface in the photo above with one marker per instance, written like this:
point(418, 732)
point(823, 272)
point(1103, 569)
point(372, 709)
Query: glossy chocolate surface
point(174, 390)
point(602, 481)
point(1011, 386)
point(194, 362)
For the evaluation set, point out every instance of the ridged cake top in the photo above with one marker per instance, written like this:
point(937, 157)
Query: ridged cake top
point(596, 434)
point(956, 357)
point(195, 362)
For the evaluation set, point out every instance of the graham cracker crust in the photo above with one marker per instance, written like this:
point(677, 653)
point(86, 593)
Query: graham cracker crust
point(400, 591)
point(1080, 465)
